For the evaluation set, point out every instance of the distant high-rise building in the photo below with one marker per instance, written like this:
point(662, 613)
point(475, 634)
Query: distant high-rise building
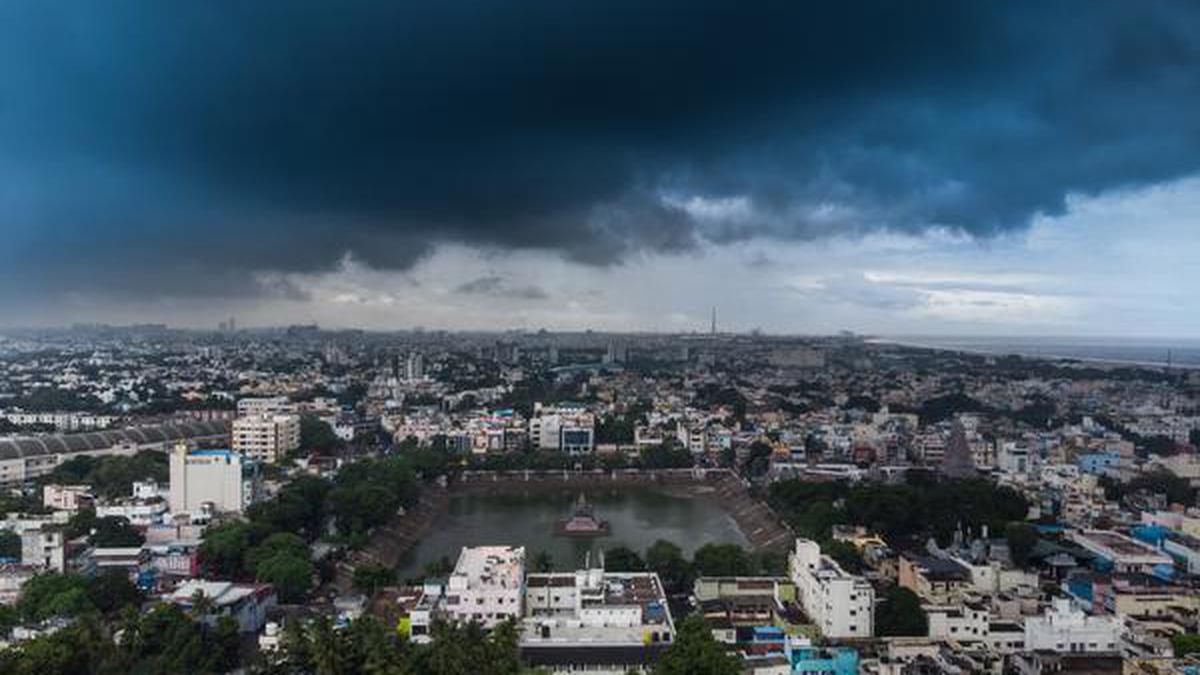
point(414, 368)
point(713, 328)
point(957, 462)
point(616, 353)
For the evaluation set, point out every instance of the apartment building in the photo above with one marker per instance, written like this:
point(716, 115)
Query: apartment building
point(842, 605)
point(266, 437)
point(566, 427)
point(487, 585)
point(1064, 628)
point(595, 621)
point(268, 405)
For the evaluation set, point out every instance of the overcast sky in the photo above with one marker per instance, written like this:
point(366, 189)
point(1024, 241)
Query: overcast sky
point(886, 167)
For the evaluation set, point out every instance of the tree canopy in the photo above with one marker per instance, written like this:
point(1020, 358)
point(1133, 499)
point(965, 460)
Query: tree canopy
point(696, 652)
point(898, 613)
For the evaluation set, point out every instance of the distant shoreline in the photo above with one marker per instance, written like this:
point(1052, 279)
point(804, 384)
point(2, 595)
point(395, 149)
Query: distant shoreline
point(1041, 356)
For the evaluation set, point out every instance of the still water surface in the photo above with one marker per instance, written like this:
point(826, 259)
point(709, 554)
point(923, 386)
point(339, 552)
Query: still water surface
point(637, 517)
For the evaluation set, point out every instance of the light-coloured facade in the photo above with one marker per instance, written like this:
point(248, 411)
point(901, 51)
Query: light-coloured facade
point(247, 604)
point(61, 421)
point(1064, 628)
point(139, 513)
point(595, 621)
point(967, 622)
point(487, 585)
point(842, 605)
point(12, 578)
point(567, 428)
point(45, 549)
point(216, 480)
point(270, 405)
point(939, 581)
point(266, 437)
point(66, 497)
point(1123, 553)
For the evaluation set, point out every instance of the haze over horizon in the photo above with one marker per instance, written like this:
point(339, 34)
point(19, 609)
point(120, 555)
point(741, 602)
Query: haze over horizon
point(953, 168)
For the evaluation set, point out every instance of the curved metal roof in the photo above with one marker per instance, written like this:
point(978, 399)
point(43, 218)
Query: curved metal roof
point(92, 441)
point(31, 447)
point(55, 444)
point(76, 442)
point(9, 450)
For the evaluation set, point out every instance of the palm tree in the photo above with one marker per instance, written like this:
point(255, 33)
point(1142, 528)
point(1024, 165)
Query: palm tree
point(202, 605)
point(326, 650)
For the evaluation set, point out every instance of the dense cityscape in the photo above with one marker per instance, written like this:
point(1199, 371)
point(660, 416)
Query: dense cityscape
point(250, 500)
point(618, 337)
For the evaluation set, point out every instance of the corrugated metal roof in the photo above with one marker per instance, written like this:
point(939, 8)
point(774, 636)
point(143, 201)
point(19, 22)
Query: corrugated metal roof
point(66, 444)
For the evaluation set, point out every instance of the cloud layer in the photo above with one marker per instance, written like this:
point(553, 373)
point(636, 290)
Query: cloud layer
point(182, 149)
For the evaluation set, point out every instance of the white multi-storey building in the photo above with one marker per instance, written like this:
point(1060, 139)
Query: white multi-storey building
point(565, 427)
point(139, 512)
point(212, 480)
point(842, 605)
point(595, 621)
point(965, 622)
point(272, 405)
point(414, 367)
point(487, 585)
point(266, 437)
point(44, 549)
point(66, 497)
point(1064, 628)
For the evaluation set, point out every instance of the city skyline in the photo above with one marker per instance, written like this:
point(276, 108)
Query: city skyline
point(945, 169)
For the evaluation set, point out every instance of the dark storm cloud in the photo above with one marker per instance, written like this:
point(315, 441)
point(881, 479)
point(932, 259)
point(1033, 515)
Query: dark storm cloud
point(178, 148)
point(497, 286)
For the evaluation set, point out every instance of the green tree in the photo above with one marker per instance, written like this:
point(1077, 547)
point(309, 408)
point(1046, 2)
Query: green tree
point(55, 595)
point(1021, 537)
point(466, 650)
point(696, 652)
point(370, 578)
point(224, 548)
point(167, 640)
point(899, 614)
point(275, 544)
point(623, 559)
point(10, 544)
point(290, 574)
point(666, 456)
point(541, 562)
point(316, 436)
point(666, 559)
point(115, 531)
point(112, 592)
point(9, 617)
point(79, 648)
point(298, 508)
point(759, 459)
point(722, 560)
point(846, 555)
point(1185, 644)
point(442, 567)
point(113, 477)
